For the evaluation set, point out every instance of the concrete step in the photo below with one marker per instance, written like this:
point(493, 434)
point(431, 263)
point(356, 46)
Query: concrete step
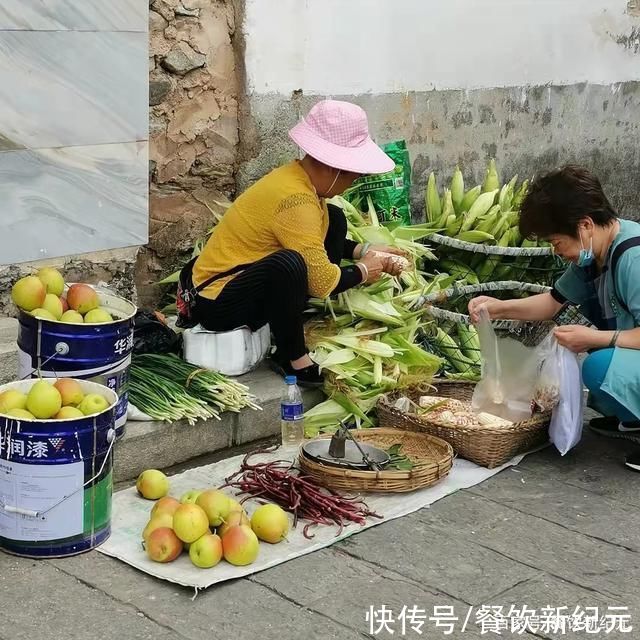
point(161, 445)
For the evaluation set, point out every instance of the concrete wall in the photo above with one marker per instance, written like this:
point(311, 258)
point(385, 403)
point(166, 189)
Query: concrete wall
point(193, 112)
point(535, 83)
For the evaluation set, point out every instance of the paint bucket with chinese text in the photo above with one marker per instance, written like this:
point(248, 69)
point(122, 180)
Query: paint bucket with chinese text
point(97, 352)
point(56, 479)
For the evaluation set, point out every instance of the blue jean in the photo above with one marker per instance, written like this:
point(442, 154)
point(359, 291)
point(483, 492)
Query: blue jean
point(594, 370)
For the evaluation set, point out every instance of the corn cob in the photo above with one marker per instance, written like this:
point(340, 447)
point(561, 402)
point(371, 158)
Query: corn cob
point(451, 351)
point(479, 208)
point(491, 180)
point(457, 189)
point(432, 200)
point(488, 223)
point(475, 236)
point(447, 208)
point(461, 270)
point(469, 342)
point(520, 195)
point(454, 227)
point(470, 197)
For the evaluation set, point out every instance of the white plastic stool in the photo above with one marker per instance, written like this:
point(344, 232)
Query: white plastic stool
point(232, 353)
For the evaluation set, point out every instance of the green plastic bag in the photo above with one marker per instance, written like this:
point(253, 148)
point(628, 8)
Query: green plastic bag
point(390, 192)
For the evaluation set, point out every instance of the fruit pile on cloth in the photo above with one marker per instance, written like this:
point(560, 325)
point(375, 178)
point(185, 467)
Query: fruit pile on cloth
point(208, 524)
point(131, 514)
point(46, 296)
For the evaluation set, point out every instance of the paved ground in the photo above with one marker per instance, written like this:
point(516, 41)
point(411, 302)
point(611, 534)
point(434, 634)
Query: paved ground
point(551, 532)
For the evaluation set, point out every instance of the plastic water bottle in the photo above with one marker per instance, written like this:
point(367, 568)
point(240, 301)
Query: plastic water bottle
point(291, 415)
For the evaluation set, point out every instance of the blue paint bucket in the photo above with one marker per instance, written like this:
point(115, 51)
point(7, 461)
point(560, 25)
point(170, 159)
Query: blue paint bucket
point(56, 480)
point(97, 352)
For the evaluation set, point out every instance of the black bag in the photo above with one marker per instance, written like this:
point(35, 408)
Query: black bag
point(152, 335)
point(187, 292)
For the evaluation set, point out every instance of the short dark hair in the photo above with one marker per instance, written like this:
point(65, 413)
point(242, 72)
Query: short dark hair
point(557, 201)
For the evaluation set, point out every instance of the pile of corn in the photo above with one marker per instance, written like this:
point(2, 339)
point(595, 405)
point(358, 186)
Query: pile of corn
point(485, 214)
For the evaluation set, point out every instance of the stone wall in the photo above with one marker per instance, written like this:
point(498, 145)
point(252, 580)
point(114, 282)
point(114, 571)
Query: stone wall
point(193, 98)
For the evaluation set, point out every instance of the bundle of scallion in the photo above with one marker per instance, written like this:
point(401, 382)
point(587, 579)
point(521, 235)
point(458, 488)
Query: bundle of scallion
point(166, 387)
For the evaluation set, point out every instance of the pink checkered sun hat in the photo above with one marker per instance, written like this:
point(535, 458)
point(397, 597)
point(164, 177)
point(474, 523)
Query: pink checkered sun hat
point(336, 133)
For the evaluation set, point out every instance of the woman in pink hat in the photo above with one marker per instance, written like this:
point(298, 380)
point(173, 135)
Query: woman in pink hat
point(280, 242)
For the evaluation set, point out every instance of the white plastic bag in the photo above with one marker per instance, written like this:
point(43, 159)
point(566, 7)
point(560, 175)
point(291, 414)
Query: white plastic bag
point(509, 374)
point(565, 430)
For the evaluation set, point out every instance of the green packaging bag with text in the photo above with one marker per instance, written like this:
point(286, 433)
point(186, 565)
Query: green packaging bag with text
point(390, 192)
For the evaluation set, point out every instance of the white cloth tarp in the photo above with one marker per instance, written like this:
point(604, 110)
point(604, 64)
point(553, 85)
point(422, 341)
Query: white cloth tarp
point(131, 513)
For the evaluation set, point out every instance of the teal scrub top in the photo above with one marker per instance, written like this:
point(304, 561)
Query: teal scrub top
point(579, 286)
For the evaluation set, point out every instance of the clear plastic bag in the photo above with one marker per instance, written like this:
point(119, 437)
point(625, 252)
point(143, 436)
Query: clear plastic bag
point(546, 395)
point(510, 372)
point(565, 430)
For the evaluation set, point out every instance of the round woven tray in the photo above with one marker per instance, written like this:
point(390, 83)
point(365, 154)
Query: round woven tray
point(489, 446)
point(432, 460)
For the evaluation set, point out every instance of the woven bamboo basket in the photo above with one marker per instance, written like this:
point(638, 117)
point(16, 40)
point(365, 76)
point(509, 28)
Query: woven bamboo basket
point(489, 446)
point(538, 264)
point(432, 459)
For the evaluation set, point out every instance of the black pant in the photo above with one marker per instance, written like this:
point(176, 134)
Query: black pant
point(274, 291)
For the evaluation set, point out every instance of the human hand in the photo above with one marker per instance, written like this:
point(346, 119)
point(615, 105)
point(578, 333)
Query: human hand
point(492, 305)
point(384, 248)
point(375, 265)
point(577, 338)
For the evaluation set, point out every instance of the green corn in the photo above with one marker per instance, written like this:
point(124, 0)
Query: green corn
point(475, 236)
point(479, 208)
point(447, 208)
point(485, 270)
point(469, 198)
point(520, 195)
point(469, 342)
point(490, 220)
point(491, 180)
point(453, 228)
point(461, 270)
point(432, 200)
point(457, 189)
point(451, 351)
point(506, 197)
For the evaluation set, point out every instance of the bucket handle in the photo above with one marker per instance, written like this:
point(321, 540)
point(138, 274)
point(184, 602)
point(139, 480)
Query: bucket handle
point(62, 349)
point(111, 438)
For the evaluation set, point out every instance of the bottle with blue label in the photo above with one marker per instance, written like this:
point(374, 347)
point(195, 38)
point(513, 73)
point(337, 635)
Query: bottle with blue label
point(291, 412)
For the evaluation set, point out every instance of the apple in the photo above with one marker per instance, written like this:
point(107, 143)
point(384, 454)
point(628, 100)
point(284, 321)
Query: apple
point(233, 519)
point(270, 523)
point(165, 505)
point(152, 484)
point(72, 317)
point(28, 293)
point(43, 314)
point(64, 303)
point(97, 316)
point(240, 545)
point(190, 497)
point(93, 403)
point(68, 412)
point(12, 399)
point(82, 298)
point(215, 504)
point(163, 545)
point(43, 400)
point(157, 521)
point(53, 305)
point(190, 522)
point(20, 413)
point(70, 391)
point(52, 279)
point(206, 551)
